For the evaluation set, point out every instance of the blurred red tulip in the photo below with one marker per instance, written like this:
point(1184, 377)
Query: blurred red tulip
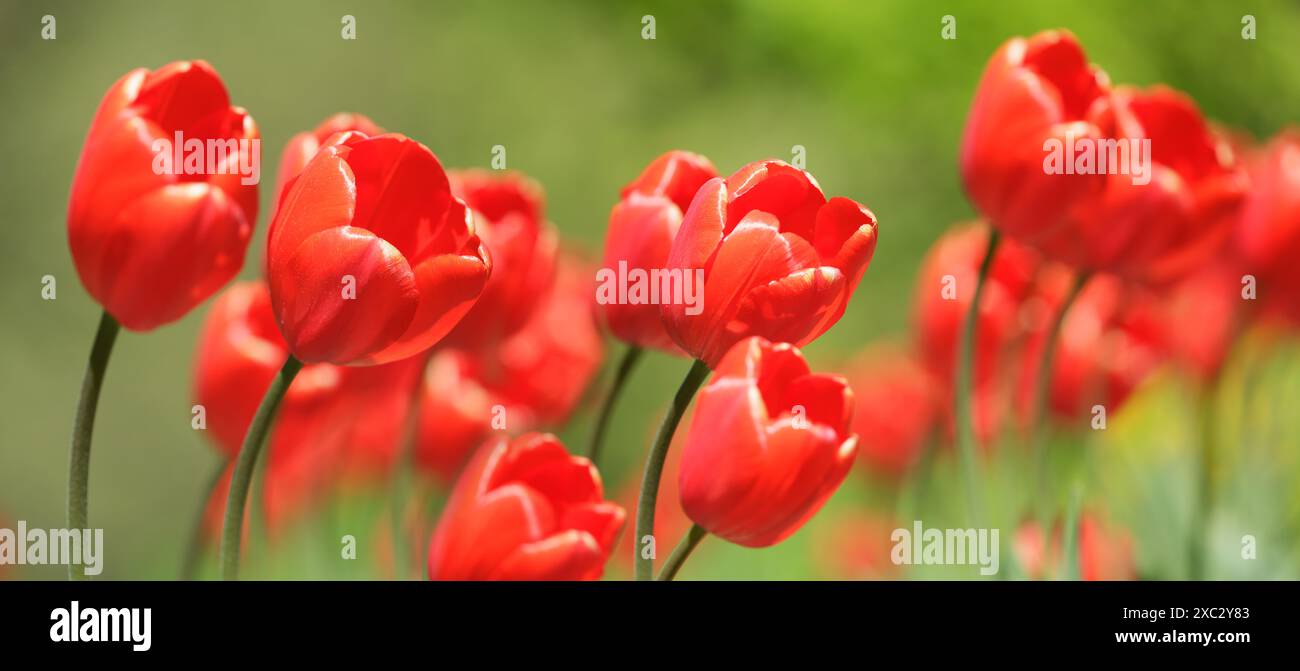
point(1033, 90)
point(642, 227)
point(898, 407)
point(456, 413)
point(778, 260)
point(547, 365)
point(1105, 553)
point(1152, 218)
point(944, 289)
point(1269, 236)
point(525, 509)
point(1159, 231)
point(769, 443)
point(302, 147)
point(239, 353)
point(509, 209)
point(536, 377)
point(370, 258)
point(150, 241)
point(335, 424)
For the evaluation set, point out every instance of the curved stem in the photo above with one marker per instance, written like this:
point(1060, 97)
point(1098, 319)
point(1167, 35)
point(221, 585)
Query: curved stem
point(962, 391)
point(232, 527)
point(654, 467)
point(1043, 388)
point(682, 551)
point(625, 366)
point(82, 428)
point(190, 565)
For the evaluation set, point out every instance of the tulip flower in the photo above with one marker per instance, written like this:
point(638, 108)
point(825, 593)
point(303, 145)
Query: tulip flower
point(1269, 237)
point(370, 257)
point(642, 227)
point(370, 260)
point(163, 203)
point(897, 407)
point(769, 443)
point(510, 214)
point(1108, 344)
point(534, 378)
point(763, 253)
point(944, 293)
point(334, 424)
point(1037, 161)
point(525, 509)
point(456, 414)
point(238, 354)
point(302, 147)
point(151, 238)
point(1033, 91)
point(777, 258)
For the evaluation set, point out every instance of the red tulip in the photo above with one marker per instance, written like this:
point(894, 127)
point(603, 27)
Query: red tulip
point(334, 422)
point(778, 260)
point(898, 407)
point(642, 227)
point(370, 258)
point(944, 290)
point(536, 377)
point(149, 238)
point(1032, 91)
point(1153, 218)
point(546, 366)
point(303, 147)
point(525, 509)
point(1269, 236)
point(509, 208)
point(456, 413)
point(945, 287)
point(768, 445)
point(1160, 231)
point(239, 353)
point(1108, 345)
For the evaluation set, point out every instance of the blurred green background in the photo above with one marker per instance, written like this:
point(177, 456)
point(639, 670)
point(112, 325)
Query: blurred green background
point(582, 103)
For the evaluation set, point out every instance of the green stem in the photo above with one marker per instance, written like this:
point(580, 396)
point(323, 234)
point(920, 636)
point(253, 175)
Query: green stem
point(1038, 423)
point(625, 366)
point(962, 391)
point(654, 467)
point(82, 428)
point(232, 528)
point(1204, 506)
point(190, 565)
point(1070, 544)
point(682, 551)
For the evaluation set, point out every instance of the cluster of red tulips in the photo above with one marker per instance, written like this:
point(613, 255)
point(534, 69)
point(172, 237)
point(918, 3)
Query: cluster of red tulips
point(412, 317)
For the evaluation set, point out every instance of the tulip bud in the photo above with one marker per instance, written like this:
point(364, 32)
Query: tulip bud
point(151, 236)
point(768, 444)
